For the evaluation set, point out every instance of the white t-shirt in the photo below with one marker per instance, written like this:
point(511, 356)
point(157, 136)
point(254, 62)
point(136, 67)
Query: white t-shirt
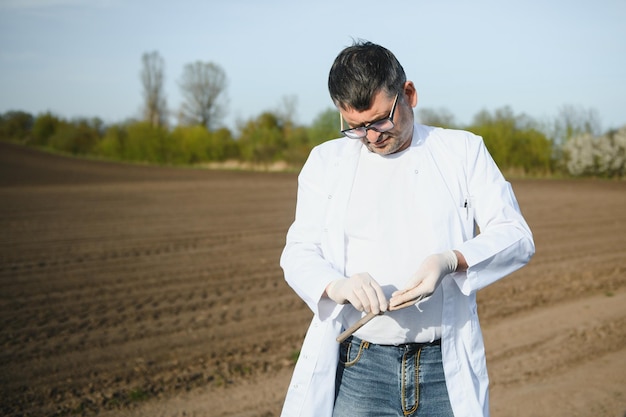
point(383, 239)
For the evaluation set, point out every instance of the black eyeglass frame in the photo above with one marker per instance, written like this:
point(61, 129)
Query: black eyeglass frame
point(380, 126)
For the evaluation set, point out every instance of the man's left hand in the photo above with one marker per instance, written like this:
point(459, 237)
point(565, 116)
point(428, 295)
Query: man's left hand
point(425, 281)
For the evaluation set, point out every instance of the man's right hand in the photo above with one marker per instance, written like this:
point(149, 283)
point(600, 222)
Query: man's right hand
point(360, 290)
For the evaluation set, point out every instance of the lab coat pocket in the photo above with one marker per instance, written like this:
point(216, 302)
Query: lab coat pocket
point(466, 215)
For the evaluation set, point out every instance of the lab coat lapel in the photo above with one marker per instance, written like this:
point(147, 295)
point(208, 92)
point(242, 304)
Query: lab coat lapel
point(340, 179)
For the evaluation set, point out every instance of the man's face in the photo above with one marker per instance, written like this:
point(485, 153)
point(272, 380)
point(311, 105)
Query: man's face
point(399, 137)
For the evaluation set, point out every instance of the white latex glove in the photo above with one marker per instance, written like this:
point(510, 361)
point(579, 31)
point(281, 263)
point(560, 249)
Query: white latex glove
point(425, 281)
point(360, 290)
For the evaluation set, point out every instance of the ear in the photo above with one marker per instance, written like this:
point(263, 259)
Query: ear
point(410, 93)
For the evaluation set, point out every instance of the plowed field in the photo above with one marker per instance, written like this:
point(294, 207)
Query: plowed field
point(143, 291)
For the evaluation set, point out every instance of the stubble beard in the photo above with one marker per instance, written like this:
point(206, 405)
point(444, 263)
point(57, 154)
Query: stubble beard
point(393, 145)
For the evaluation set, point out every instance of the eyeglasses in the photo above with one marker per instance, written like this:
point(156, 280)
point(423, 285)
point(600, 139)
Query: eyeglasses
point(380, 126)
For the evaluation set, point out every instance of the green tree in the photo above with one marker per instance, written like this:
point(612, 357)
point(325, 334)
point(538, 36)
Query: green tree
point(80, 137)
point(16, 125)
point(325, 126)
point(224, 142)
point(297, 146)
point(147, 143)
point(114, 144)
point(45, 126)
point(515, 141)
point(262, 140)
point(496, 132)
point(192, 144)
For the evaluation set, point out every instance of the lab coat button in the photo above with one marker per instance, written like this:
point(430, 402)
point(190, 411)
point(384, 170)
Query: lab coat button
point(330, 196)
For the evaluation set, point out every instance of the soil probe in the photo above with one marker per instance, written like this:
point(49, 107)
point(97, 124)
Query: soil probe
point(356, 326)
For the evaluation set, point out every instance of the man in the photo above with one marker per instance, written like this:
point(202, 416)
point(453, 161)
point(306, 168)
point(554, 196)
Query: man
point(386, 223)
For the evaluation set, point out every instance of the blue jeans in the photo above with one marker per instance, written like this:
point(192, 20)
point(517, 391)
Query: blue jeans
point(399, 381)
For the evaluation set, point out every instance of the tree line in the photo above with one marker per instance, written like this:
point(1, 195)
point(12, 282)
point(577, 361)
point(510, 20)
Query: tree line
point(571, 144)
point(260, 141)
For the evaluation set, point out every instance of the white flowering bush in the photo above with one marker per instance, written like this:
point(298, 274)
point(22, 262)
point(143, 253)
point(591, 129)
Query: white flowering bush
point(579, 153)
point(604, 156)
point(616, 160)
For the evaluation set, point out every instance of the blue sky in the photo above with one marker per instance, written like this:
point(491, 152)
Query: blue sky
point(82, 58)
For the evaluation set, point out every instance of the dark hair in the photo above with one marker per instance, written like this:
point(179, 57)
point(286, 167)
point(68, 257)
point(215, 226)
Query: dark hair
point(360, 71)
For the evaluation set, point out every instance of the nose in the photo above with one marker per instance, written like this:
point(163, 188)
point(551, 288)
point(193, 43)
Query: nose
point(372, 136)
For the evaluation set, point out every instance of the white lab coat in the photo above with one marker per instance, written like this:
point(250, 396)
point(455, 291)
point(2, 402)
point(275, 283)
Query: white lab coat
point(467, 189)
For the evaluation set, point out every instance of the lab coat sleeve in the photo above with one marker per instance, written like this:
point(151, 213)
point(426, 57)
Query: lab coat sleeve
point(505, 242)
point(307, 268)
